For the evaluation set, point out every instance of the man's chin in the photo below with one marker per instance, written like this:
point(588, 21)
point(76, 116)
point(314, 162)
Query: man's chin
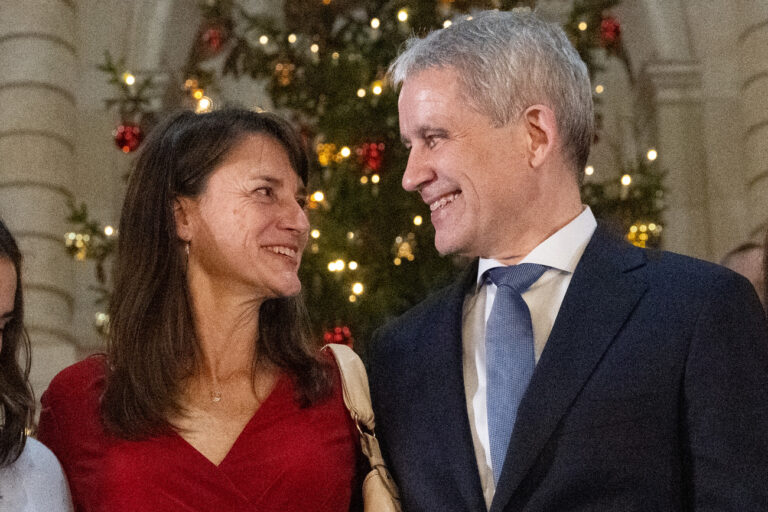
point(444, 248)
point(451, 247)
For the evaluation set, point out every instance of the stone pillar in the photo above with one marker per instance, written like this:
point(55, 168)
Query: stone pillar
point(674, 89)
point(38, 65)
point(753, 42)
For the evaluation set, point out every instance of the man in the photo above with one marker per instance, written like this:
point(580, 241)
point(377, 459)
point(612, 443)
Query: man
point(747, 260)
point(564, 370)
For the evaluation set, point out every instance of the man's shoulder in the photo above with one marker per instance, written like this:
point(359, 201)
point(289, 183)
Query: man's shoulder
point(608, 247)
point(425, 311)
point(405, 331)
point(677, 274)
point(688, 271)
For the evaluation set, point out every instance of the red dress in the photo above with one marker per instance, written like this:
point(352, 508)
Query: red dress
point(286, 458)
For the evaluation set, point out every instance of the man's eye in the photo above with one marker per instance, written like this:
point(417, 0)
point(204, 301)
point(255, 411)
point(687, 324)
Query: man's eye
point(264, 191)
point(302, 200)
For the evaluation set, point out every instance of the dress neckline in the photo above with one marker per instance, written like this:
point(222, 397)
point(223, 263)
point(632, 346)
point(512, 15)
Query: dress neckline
point(281, 386)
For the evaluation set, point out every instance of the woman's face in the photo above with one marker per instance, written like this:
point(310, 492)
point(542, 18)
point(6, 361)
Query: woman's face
point(7, 294)
point(248, 228)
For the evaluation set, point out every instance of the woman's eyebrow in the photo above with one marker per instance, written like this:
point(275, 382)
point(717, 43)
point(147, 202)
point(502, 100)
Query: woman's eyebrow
point(272, 180)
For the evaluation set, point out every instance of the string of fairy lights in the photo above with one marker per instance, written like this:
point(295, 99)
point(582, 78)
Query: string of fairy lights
point(284, 70)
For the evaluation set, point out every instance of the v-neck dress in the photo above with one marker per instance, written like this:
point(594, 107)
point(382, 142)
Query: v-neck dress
point(286, 458)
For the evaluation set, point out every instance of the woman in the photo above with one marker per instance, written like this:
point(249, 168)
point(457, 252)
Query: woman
point(31, 479)
point(212, 395)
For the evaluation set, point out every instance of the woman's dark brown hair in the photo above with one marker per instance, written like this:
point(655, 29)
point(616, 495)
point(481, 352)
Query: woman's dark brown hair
point(17, 403)
point(152, 347)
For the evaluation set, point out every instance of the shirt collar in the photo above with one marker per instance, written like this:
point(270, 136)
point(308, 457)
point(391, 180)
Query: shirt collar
point(562, 250)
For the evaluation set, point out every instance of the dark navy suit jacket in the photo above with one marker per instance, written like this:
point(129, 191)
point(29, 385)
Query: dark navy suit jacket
point(651, 395)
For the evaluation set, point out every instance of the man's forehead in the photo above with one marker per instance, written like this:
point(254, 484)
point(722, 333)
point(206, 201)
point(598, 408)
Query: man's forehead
point(441, 80)
point(428, 99)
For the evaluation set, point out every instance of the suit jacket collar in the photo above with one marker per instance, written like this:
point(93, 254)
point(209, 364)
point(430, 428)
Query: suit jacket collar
point(600, 297)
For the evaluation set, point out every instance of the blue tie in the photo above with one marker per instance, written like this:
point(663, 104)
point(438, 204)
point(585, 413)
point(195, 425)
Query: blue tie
point(510, 358)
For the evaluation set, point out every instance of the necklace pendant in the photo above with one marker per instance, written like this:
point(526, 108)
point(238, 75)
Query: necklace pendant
point(215, 396)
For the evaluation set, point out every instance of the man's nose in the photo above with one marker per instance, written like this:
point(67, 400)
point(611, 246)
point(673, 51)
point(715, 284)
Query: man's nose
point(418, 171)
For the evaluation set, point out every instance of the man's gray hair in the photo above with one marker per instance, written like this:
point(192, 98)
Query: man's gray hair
point(506, 62)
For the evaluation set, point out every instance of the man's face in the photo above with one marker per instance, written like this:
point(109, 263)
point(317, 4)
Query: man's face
point(475, 177)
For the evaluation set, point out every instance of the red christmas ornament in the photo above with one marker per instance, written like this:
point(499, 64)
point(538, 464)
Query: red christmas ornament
point(128, 136)
point(213, 35)
point(610, 33)
point(371, 155)
point(339, 335)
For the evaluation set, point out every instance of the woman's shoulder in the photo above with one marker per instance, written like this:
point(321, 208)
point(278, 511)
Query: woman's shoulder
point(70, 420)
point(71, 382)
point(38, 457)
point(37, 480)
point(337, 355)
point(341, 380)
point(73, 398)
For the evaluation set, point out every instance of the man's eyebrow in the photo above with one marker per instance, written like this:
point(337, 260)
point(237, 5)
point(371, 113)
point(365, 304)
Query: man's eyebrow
point(431, 130)
point(425, 131)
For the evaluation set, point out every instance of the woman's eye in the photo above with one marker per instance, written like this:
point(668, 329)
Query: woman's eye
point(302, 200)
point(264, 191)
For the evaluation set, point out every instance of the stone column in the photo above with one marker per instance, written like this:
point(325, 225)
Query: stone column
point(753, 42)
point(674, 89)
point(38, 65)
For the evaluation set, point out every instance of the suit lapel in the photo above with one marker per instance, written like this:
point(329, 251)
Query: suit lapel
point(600, 297)
point(440, 356)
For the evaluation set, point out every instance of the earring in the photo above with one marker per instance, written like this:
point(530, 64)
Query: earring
point(186, 259)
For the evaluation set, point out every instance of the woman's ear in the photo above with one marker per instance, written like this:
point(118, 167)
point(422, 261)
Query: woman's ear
point(182, 208)
point(541, 130)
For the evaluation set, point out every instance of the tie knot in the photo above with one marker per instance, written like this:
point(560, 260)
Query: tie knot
point(518, 277)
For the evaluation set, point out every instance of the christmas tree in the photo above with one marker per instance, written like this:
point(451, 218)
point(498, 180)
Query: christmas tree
point(371, 253)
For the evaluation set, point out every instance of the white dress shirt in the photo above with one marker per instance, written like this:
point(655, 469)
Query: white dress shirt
point(561, 252)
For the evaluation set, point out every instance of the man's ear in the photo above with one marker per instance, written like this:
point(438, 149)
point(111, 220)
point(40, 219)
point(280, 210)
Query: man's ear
point(182, 207)
point(541, 131)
